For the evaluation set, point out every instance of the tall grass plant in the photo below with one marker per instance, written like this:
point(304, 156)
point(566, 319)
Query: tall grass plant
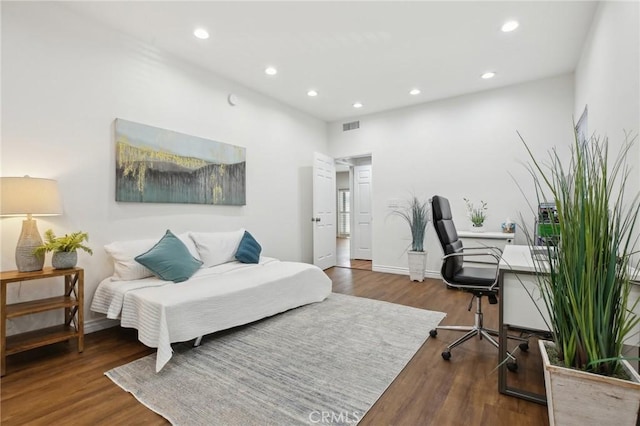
point(585, 283)
point(416, 214)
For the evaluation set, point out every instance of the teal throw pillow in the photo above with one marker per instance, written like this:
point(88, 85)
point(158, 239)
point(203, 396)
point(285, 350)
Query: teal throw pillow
point(249, 249)
point(170, 259)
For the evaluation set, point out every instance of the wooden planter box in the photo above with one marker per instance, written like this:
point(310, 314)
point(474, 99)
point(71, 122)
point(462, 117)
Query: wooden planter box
point(579, 398)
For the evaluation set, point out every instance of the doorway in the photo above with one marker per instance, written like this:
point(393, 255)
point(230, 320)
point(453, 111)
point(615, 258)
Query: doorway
point(354, 213)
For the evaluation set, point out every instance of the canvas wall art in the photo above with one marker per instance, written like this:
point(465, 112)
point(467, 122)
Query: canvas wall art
point(155, 165)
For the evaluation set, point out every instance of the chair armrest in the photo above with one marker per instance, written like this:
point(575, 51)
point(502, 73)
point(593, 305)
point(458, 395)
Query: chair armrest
point(492, 287)
point(496, 264)
point(495, 256)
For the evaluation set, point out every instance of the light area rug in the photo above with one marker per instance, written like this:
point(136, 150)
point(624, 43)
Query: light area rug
point(327, 362)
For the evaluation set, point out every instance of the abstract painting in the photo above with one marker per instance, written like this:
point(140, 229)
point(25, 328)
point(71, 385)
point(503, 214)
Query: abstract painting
point(155, 165)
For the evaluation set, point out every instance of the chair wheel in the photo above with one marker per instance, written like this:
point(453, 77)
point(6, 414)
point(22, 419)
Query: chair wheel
point(512, 366)
point(446, 355)
point(433, 333)
point(524, 346)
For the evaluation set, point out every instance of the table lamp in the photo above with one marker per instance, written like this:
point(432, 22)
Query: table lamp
point(33, 197)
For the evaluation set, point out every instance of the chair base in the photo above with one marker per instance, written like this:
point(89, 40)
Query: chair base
point(471, 331)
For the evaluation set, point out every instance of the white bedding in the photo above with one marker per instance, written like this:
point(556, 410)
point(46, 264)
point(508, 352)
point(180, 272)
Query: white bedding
point(213, 299)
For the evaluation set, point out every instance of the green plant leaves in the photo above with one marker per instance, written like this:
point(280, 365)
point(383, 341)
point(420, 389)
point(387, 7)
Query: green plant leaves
point(586, 283)
point(477, 215)
point(70, 242)
point(416, 214)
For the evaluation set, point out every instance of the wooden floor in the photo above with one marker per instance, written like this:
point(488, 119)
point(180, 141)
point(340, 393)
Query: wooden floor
point(57, 386)
point(343, 256)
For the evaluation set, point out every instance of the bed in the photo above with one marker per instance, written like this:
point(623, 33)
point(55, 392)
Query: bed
point(214, 298)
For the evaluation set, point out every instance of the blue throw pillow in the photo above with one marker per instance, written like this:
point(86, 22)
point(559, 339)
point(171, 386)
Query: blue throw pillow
point(249, 249)
point(170, 259)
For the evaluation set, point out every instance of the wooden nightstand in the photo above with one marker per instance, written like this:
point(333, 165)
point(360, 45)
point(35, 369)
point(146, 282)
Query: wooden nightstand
point(72, 301)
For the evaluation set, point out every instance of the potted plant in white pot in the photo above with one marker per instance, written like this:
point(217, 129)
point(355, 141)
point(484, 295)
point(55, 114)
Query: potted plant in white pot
point(416, 214)
point(586, 284)
point(64, 249)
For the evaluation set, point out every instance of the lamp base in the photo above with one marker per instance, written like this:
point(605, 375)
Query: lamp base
point(29, 240)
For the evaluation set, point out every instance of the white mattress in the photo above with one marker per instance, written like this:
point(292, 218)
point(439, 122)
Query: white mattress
point(213, 299)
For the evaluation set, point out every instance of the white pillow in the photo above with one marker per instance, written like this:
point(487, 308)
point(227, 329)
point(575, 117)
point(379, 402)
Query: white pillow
point(216, 248)
point(184, 237)
point(123, 253)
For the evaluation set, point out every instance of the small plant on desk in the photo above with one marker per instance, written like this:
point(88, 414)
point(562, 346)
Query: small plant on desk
point(477, 215)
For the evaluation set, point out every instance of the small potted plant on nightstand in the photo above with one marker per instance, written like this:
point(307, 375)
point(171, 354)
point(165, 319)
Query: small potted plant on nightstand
point(64, 249)
point(416, 214)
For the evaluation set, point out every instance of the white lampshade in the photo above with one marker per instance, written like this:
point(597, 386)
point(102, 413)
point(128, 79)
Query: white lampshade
point(31, 196)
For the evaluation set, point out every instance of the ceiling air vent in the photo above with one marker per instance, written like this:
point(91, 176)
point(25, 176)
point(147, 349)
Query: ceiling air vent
point(350, 126)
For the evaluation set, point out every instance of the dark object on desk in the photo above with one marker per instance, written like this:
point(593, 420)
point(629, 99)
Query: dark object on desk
point(476, 280)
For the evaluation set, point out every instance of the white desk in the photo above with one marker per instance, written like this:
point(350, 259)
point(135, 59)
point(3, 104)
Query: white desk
point(522, 308)
point(519, 286)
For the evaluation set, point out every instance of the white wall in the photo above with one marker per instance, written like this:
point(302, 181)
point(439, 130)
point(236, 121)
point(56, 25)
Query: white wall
point(461, 147)
point(608, 78)
point(64, 81)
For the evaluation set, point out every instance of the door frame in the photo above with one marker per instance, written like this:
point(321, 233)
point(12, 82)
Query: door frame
point(351, 161)
point(357, 236)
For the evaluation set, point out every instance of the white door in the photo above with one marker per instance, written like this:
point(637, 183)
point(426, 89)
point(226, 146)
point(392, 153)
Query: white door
point(324, 211)
point(361, 234)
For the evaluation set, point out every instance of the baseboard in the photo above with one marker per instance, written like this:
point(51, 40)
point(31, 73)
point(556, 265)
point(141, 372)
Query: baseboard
point(98, 324)
point(433, 274)
point(390, 269)
point(404, 271)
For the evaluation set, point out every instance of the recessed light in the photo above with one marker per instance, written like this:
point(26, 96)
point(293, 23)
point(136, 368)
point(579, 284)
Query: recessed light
point(201, 33)
point(270, 71)
point(414, 92)
point(358, 105)
point(510, 26)
point(488, 75)
point(312, 93)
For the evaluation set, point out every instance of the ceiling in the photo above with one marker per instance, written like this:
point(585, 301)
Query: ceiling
point(370, 52)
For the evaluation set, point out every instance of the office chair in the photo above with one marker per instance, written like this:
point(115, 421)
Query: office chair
point(480, 281)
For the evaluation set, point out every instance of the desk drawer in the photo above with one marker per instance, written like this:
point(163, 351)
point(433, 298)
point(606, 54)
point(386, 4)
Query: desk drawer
point(519, 297)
